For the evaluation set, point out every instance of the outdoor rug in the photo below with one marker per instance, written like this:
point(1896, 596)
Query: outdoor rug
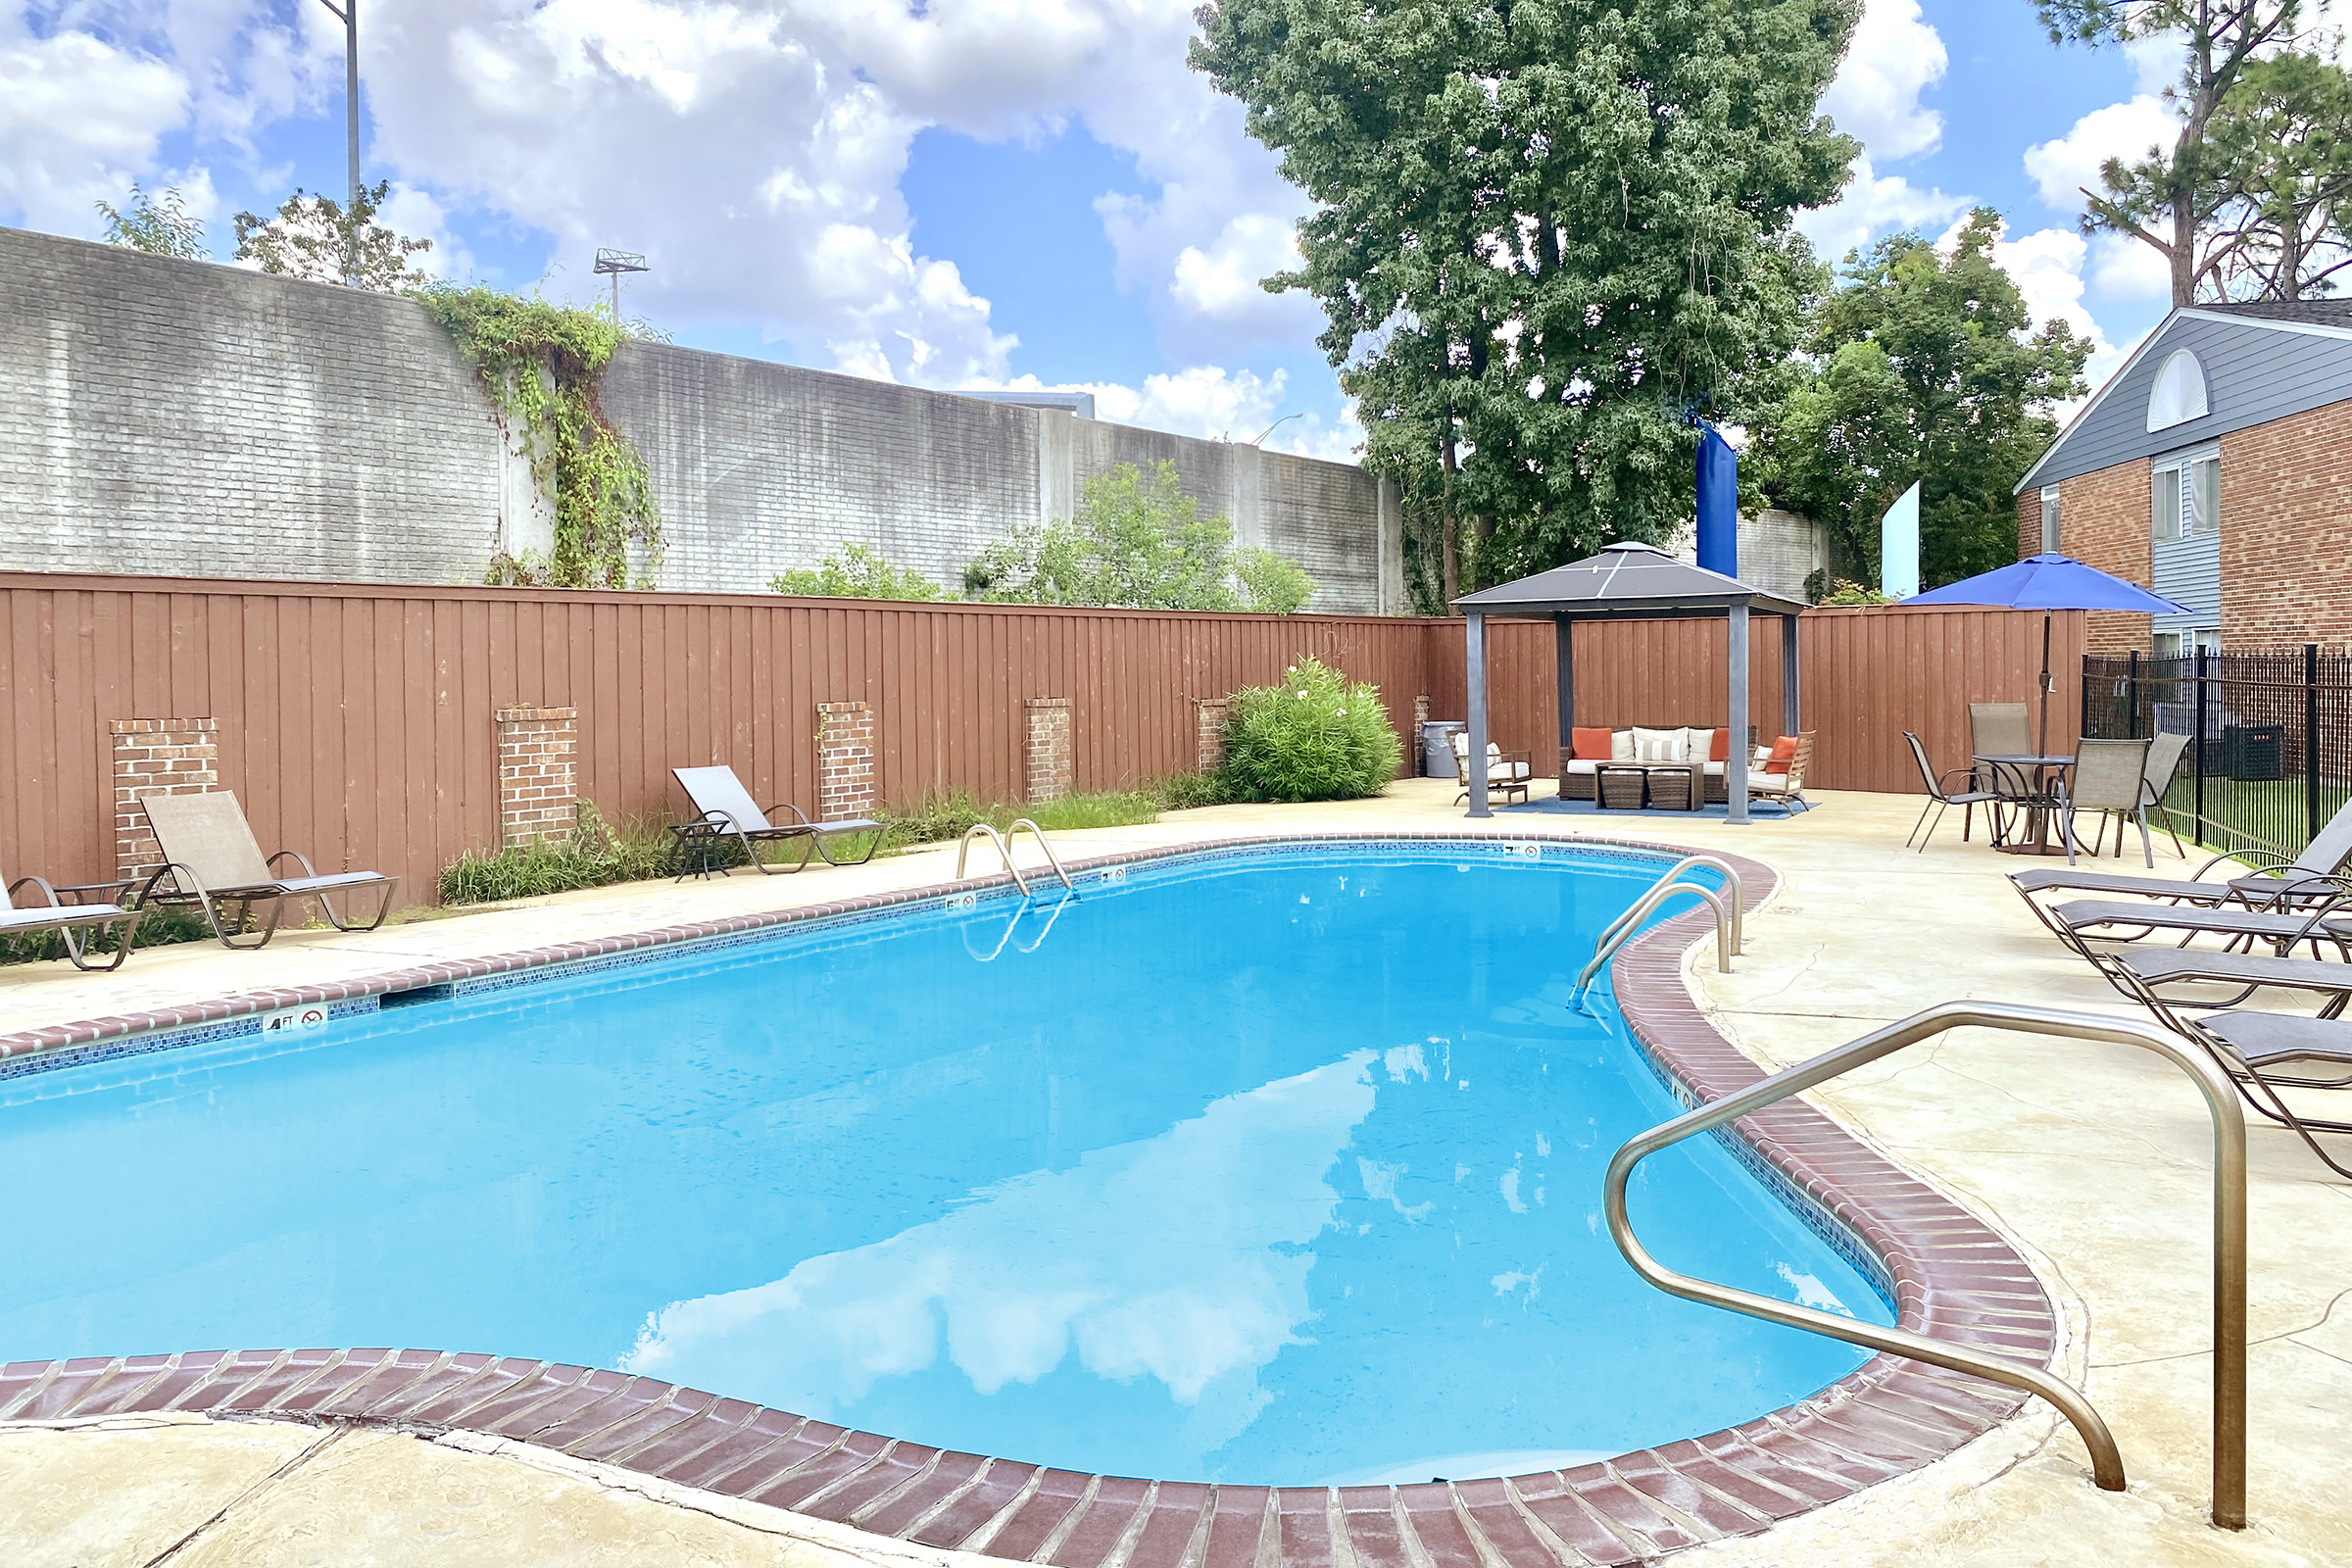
point(1758, 811)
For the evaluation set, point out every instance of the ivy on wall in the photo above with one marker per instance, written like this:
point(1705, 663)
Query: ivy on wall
point(541, 364)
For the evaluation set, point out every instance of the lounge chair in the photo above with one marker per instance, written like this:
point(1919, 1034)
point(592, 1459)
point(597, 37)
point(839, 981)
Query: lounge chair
point(2309, 876)
point(1941, 796)
point(1507, 772)
point(1788, 788)
point(2110, 778)
point(2254, 1046)
point(726, 810)
point(212, 860)
point(71, 921)
point(2077, 921)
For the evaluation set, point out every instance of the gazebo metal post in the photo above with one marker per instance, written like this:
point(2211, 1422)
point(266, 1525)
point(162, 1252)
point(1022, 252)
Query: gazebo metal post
point(1793, 718)
point(1735, 770)
point(1563, 653)
point(1475, 640)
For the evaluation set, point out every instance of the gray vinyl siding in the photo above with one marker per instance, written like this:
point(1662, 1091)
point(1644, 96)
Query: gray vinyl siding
point(2189, 570)
point(2255, 371)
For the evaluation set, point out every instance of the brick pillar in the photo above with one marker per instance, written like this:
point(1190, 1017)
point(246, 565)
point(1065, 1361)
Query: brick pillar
point(1052, 764)
point(538, 774)
point(1420, 713)
point(1414, 763)
point(1209, 731)
point(157, 757)
point(846, 782)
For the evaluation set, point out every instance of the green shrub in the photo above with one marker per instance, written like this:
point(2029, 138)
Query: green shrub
point(859, 572)
point(1315, 737)
point(594, 857)
point(1181, 791)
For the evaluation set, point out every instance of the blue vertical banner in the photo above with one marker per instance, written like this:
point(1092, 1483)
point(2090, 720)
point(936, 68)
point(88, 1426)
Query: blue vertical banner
point(1718, 503)
point(1899, 546)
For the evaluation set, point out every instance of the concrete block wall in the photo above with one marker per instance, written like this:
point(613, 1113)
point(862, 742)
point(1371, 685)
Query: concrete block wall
point(189, 419)
point(186, 418)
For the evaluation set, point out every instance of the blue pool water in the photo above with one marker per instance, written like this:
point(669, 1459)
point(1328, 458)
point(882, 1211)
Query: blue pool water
point(1271, 1168)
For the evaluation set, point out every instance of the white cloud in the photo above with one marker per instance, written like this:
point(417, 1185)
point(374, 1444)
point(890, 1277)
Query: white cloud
point(1892, 58)
point(1874, 204)
point(2129, 268)
point(415, 213)
point(1222, 281)
point(79, 120)
point(2065, 168)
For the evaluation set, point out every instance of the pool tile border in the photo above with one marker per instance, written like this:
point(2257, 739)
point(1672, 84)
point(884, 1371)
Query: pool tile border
point(1945, 1271)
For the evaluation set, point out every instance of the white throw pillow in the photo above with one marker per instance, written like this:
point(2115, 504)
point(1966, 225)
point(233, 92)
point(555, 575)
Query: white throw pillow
point(1698, 745)
point(1621, 746)
point(1657, 745)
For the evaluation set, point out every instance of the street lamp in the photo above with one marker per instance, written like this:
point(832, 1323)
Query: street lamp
point(612, 263)
point(349, 16)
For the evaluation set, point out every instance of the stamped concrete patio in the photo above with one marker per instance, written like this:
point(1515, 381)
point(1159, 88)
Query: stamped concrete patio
point(2094, 1160)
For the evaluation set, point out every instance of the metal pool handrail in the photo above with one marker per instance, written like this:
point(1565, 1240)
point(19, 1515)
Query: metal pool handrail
point(1039, 834)
point(965, 847)
point(1730, 931)
point(2229, 1230)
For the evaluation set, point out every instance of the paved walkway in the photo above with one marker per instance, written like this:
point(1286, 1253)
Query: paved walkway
point(2093, 1159)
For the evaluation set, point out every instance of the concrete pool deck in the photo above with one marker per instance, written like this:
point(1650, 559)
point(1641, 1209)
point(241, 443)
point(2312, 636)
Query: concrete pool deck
point(2093, 1160)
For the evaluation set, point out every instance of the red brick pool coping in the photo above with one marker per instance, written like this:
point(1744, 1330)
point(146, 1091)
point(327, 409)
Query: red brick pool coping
point(1952, 1276)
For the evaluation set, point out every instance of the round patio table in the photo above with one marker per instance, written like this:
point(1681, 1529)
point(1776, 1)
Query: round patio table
point(2043, 771)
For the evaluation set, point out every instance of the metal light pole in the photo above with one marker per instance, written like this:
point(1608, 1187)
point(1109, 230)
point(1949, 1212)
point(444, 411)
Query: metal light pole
point(612, 263)
point(349, 15)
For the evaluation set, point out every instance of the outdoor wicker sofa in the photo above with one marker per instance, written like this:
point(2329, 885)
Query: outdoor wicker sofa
point(1589, 750)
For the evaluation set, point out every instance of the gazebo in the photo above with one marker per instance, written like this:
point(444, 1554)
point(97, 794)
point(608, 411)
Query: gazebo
point(1629, 583)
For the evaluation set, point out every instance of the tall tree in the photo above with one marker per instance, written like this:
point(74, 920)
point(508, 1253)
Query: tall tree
point(2281, 141)
point(1548, 232)
point(313, 237)
point(1923, 367)
point(2202, 202)
point(159, 224)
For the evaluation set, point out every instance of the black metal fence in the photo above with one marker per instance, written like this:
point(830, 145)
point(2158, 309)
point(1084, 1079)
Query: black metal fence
point(2270, 759)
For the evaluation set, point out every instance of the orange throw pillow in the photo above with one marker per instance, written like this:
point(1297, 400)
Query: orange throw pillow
point(1721, 751)
point(1784, 752)
point(1589, 745)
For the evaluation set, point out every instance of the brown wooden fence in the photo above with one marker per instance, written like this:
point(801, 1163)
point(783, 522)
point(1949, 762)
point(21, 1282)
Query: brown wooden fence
point(354, 723)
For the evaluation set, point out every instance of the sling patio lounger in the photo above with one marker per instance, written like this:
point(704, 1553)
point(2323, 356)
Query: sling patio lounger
point(71, 921)
point(2253, 1046)
point(212, 860)
point(2077, 921)
point(2283, 881)
point(727, 811)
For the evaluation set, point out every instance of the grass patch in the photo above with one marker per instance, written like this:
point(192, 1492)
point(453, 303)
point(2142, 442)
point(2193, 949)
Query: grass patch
point(945, 815)
point(1183, 792)
point(597, 854)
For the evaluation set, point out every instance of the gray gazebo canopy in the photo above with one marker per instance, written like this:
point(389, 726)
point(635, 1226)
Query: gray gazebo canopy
point(1629, 583)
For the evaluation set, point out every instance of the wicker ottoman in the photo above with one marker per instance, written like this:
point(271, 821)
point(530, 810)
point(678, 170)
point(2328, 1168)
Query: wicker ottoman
point(1675, 789)
point(1622, 786)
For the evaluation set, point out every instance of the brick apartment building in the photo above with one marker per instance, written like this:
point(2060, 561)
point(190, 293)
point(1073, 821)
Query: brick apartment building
point(2215, 467)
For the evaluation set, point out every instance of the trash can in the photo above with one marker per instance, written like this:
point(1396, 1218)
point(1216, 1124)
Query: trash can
point(1436, 747)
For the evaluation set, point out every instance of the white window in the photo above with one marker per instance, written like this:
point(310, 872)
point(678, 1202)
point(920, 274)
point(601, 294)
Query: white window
point(2178, 395)
point(2187, 496)
point(2183, 644)
point(2049, 520)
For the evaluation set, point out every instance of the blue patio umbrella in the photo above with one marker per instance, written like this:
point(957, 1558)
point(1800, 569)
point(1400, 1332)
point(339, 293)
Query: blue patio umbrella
point(2046, 583)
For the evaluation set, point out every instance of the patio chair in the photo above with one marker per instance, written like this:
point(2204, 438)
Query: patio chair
point(2077, 921)
point(726, 810)
point(71, 921)
point(2003, 729)
point(2164, 760)
point(1788, 788)
point(2282, 883)
point(1507, 772)
point(2110, 779)
point(211, 861)
point(1941, 797)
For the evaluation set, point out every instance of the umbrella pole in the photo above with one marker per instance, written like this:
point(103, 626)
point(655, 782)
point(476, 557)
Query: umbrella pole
point(2044, 745)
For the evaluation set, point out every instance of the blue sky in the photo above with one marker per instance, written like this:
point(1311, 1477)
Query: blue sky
point(960, 193)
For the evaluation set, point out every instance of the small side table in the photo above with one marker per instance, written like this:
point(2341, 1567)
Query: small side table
point(1620, 787)
point(698, 848)
point(1675, 787)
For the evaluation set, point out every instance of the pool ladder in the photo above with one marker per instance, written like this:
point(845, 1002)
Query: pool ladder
point(1730, 931)
point(1003, 842)
point(2229, 1230)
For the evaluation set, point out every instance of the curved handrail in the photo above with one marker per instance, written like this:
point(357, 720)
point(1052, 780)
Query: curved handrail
point(1731, 877)
point(2229, 1230)
point(1039, 834)
point(965, 846)
point(1631, 921)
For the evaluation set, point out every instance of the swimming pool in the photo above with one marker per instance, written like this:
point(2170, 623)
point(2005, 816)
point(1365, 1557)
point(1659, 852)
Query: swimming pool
point(1278, 1165)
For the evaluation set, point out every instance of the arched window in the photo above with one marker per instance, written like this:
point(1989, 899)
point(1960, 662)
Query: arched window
point(2179, 392)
